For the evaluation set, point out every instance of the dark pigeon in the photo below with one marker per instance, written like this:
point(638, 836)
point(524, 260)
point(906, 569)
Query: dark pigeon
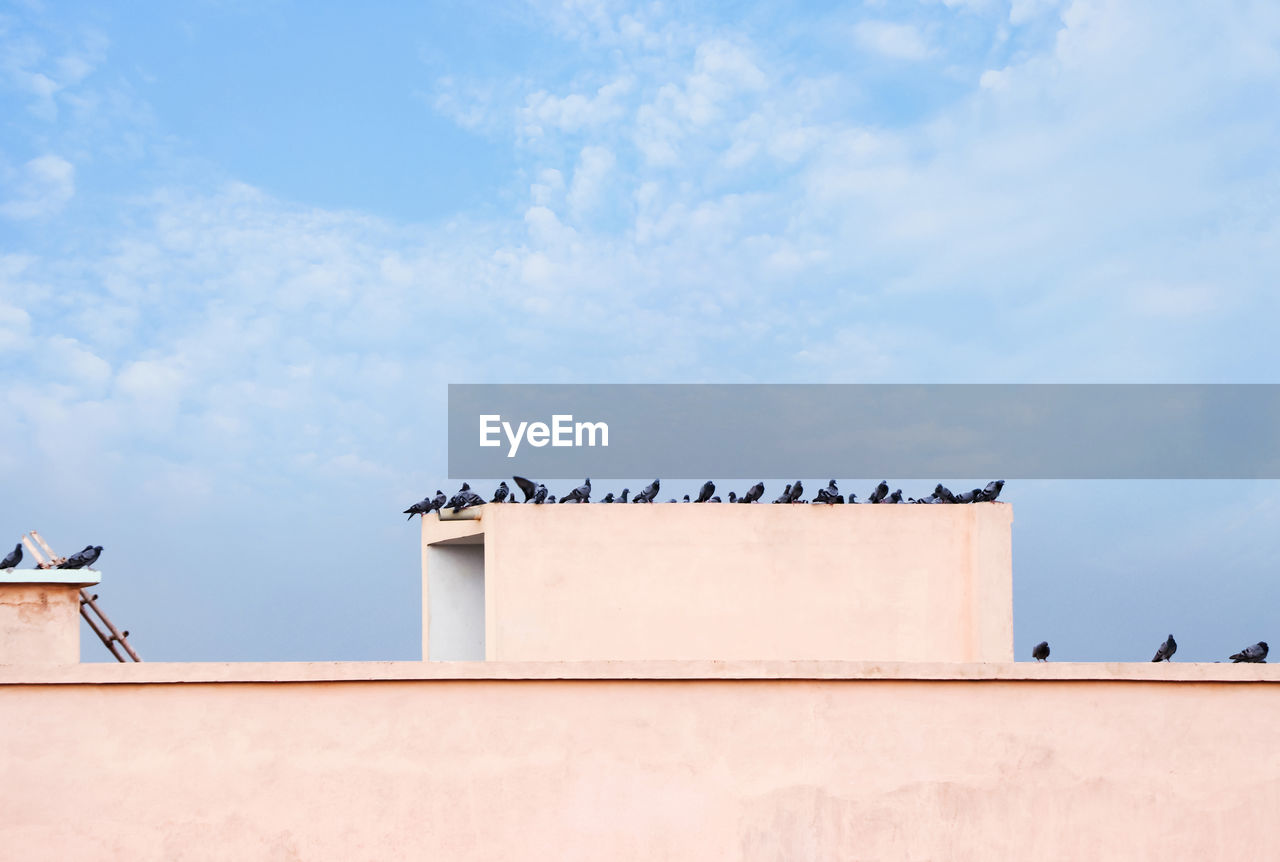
point(796, 490)
point(608, 498)
point(529, 488)
point(686, 499)
point(1255, 653)
point(785, 497)
point(625, 492)
point(426, 506)
point(733, 497)
point(715, 499)
point(755, 492)
point(551, 498)
point(1167, 649)
point(580, 494)
point(15, 557)
point(540, 494)
point(991, 492)
point(466, 499)
point(708, 488)
point(500, 495)
point(82, 559)
point(969, 496)
point(672, 500)
point(943, 493)
point(1041, 651)
point(895, 497)
point(829, 494)
point(881, 491)
point(649, 494)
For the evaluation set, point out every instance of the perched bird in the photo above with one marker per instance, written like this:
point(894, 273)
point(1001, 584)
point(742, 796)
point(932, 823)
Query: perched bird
point(796, 490)
point(608, 498)
point(82, 559)
point(943, 493)
point(755, 492)
point(500, 495)
point(1255, 653)
point(708, 488)
point(715, 499)
point(672, 500)
point(455, 502)
point(540, 494)
point(465, 500)
point(785, 496)
point(649, 494)
point(686, 499)
point(426, 506)
point(969, 496)
point(1167, 649)
point(15, 557)
point(829, 494)
point(551, 498)
point(1041, 651)
point(625, 492)
point(881, 491)
point(580, 494)
point(991, 492)
point(895, 497)
point(529, 488)
point(733, 497)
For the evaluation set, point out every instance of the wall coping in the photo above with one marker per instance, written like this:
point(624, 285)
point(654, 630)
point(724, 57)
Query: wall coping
point(180, 673)
point(71, 577)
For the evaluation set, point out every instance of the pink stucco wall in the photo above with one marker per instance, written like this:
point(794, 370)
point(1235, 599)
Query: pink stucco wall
point(902, 583)
point(640, 761)
point(39, 622)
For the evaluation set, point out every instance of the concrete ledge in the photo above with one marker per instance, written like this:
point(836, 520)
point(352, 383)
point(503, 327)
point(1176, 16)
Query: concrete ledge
point(178, 673)
point(74, 577)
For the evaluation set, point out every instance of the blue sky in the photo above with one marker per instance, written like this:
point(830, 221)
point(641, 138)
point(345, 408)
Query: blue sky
point(245, 246)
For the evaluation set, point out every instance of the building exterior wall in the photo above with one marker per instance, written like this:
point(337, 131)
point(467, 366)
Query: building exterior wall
point(643, 761)
point(39, 623)
point(892, 583)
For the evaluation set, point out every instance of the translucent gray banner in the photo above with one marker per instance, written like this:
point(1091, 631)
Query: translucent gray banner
point(934, 432)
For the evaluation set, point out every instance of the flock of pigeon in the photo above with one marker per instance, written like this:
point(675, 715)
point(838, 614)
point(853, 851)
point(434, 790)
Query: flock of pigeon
point(1255, 654)
point(536, 493)
point(79, 560)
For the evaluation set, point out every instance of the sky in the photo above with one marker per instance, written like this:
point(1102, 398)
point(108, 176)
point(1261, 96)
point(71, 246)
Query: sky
point(244, 247)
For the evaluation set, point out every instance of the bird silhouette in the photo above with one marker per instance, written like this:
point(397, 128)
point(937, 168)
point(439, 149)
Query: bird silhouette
point(785, 496)
point(708, 488)
point(608, 498)
point(540, 494)
point(1041, 651)
point(528, 487)
point(580, 494)
point(15, 557)
point(754, 493)
point(733, 497)
point(1166, 650)
point(796, 490)
point(991, 492)
point(83, 558)
point(623, 498)
point(426, 505)
point(500, 495)
point(881, 491)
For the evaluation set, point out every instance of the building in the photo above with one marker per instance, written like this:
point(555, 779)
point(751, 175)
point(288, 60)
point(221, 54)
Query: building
point(649, 682)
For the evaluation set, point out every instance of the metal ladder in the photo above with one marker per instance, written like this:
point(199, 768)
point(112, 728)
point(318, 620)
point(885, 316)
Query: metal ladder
point(112, 638)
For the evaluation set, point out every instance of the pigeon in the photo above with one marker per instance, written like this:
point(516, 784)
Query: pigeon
point(1041, 651)
point(625, 492)
point(829, 494)
point(551, 498)
point(733, 497)
point(15, 556)
point(989, 493)
point(708, 488)
point(796, 490)
point(895, 497)
point(715, 499)
point(1167, 649)
point(754, 493)
point(673, 499)
point(580, 494)
point(500, 495)
point(943, 493)
point(82, 559)
point(881, 491)
point(456, 501)
point(649, 493)
point(686, 499)
point(465, 499)
point(969, 496)
point(1255, 653)
point(426, 506)
point(785, 497)
point(540, 494)
point(529, 488)
point(608, 498)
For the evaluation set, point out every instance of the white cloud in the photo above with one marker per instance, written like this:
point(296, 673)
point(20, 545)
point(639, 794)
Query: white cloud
point(40, 189)
point(892, 39)
point(572, 113)
point(589, 179)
